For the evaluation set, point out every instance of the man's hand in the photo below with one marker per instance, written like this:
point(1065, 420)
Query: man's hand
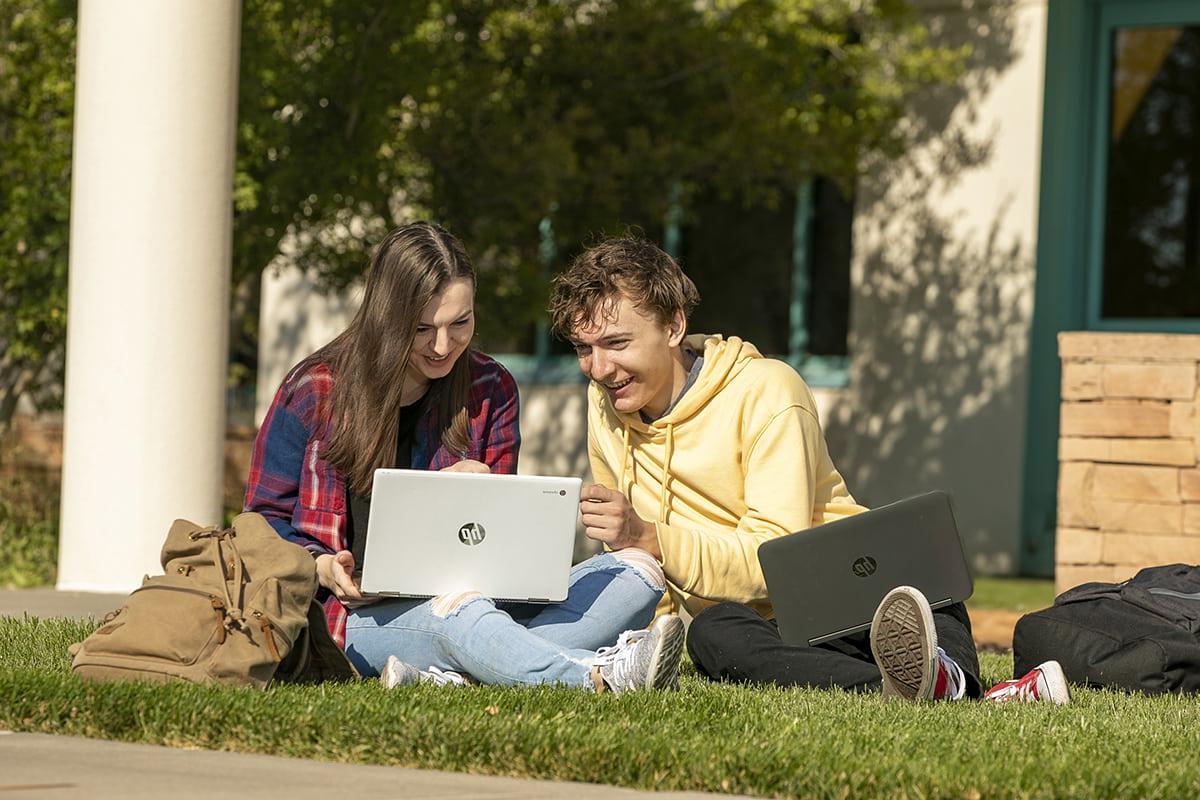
point(336, 573)
point(468, 465)
point(608, 517)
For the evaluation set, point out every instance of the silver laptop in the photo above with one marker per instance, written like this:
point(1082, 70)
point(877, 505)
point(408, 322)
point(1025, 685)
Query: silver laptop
point(508, 537)
point(826, 582)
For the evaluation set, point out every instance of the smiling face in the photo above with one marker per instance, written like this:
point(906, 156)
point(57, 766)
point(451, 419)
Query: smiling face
point(633, 356)
point(443, 334)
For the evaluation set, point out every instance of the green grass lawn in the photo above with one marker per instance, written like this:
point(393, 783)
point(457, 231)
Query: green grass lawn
point(766, 742)
point(1012, 594)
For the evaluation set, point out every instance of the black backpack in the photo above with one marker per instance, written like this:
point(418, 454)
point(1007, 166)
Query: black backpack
point(1142, 635)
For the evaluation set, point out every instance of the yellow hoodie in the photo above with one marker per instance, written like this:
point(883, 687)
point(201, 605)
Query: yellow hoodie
point(740, 459)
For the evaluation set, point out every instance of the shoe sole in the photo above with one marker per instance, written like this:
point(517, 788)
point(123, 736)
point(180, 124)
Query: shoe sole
point(1056, 682)
point(904, 644)
point(664, 661)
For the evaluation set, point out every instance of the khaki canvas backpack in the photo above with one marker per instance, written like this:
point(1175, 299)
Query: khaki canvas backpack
point(235, 606)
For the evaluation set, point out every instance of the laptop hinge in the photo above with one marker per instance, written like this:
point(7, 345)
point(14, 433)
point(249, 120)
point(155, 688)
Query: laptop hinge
point(857, 628)
point(828, 637)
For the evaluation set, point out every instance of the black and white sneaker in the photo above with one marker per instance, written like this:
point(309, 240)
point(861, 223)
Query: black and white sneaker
point(904, 644)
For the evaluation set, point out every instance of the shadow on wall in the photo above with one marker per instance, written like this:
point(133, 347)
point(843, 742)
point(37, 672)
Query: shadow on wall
point(942, 302)
point(554, 440)
point(299, 318)
point(554, 429)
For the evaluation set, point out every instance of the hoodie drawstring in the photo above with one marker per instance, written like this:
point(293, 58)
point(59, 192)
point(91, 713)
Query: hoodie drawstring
point(626, 486)
point(663, 505)
point(625, 454)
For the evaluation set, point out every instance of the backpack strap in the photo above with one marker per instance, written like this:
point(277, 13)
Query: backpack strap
point(234, 615)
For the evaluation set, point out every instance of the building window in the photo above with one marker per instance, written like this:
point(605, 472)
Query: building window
point(777, 276)
point(1145, 261)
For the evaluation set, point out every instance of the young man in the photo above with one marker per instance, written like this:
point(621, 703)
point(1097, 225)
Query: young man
point(702, 449)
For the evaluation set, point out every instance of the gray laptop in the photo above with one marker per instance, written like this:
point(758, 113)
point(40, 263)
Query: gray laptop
point(826, 582)
point(508, 537)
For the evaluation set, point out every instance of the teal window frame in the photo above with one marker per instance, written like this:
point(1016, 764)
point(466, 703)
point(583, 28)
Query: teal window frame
point(1113, 16)
point(1070, 231)
point(818, 371)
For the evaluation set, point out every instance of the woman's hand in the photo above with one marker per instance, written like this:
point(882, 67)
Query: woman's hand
point(336, 573)
point(468, 465)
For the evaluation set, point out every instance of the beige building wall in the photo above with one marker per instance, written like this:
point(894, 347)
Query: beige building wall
point(295, 318)
point(944, 245)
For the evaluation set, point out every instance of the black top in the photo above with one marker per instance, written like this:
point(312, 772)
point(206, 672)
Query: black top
point(359, 507)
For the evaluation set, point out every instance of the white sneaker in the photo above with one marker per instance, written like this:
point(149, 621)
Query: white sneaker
point(1045, 683)
point(645, 659)
point(400, 673)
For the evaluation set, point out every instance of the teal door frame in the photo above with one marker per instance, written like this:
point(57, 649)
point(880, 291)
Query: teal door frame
point(1066, 289)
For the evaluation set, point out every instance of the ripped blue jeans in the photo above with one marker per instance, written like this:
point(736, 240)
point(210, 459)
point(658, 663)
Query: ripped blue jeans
point(510, 643)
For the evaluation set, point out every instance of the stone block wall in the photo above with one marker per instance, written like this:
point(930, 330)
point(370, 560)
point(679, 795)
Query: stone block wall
point(1128, 449)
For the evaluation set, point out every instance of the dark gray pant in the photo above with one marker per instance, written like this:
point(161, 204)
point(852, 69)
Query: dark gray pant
point(730, 642)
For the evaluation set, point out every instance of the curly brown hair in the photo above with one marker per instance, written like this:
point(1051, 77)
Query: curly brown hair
point(598, 276)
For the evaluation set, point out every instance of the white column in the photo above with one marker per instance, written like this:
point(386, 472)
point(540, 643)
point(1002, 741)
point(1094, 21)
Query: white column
point(155, 106)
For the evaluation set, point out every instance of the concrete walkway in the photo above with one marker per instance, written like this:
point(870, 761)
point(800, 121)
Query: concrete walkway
point(41, 767)
point(44, 767)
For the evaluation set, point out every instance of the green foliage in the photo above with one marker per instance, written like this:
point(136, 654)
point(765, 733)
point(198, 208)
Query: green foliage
point(318, 83)
point(489, 115)
point(492, 116)
point(706, 737)
point(37, 84)
point(28, 532)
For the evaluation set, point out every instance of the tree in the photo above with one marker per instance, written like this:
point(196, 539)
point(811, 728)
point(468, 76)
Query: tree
point(519, 123)
point(603, 115)
point(37, 71)
point(495, 117)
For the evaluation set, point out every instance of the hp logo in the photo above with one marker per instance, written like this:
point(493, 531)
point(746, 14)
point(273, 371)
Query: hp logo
point(864, 567)
point(471, 534)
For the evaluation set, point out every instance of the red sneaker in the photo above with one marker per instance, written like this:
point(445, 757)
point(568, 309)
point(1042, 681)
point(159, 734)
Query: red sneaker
point(1045, 683)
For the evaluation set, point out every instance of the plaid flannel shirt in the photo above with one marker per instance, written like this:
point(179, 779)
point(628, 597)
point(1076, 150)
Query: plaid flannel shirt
point(303, 496)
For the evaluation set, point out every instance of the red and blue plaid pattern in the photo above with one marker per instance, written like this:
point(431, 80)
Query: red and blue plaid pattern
point(303, 496)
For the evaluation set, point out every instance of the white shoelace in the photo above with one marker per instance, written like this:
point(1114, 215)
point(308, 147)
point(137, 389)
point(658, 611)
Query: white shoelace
point(1023, 689)
point(441, 677)
point(954, 675)
point(618, 655)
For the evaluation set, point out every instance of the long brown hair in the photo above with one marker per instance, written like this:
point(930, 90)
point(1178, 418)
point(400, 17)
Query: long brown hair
point(369, 359)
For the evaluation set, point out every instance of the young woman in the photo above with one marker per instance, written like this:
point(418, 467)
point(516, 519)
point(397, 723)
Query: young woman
point(402, 386)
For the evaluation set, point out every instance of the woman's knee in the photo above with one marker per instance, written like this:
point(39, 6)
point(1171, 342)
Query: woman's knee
point(645, 565)
point(448, 605)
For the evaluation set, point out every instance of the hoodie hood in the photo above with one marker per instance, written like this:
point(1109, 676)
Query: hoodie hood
point(723, 360)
